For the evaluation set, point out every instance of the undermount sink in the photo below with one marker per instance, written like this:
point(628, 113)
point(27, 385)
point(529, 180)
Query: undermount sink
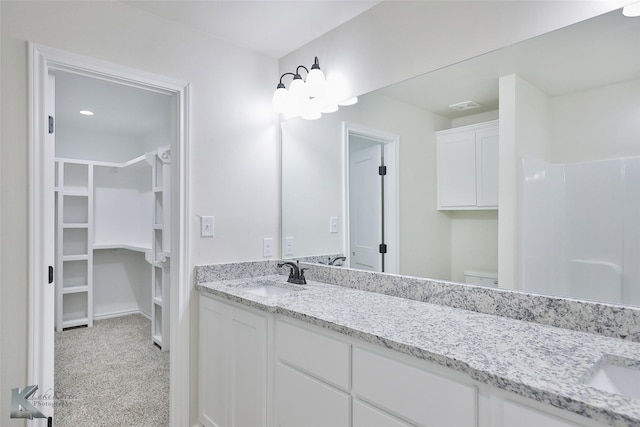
point(266, 289)
point(614, 377)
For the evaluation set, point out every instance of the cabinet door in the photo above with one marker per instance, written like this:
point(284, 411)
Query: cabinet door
point(213, 361)
point(303, 401)
point(487, 159)
point(233, 366)
point(457, 170)
point(248, 385)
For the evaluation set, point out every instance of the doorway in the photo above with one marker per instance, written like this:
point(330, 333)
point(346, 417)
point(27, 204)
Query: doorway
point(44, 64)
point(371, 199)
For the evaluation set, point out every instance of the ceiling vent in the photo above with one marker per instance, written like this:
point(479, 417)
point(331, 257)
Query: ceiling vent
point(465, 105)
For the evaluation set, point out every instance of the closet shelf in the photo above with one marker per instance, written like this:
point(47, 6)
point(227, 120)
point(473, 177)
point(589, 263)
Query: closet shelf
point(75, 225)
point(83, 257)
point(75, 289)
point(137, 247)
point(74, 192)
point(157, 339)
point(75, 322)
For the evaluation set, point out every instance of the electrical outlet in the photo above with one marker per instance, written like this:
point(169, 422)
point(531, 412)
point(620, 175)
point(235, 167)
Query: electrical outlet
point(267, 247)
point(288, 245)
point(206, 226)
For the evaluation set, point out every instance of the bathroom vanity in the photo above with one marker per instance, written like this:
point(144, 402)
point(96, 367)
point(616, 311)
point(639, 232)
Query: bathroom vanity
point(278, 354)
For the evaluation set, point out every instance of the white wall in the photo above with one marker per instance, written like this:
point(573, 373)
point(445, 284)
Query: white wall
point(524, 130)
point(86, 145)
point(397, 40)
point(233, 135)
point(602, 123)
point(121, 283)
point(425, 232)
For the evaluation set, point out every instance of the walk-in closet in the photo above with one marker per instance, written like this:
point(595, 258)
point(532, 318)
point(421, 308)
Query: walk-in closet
point(112, 184)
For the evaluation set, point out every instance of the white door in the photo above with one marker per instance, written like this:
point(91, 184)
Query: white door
point(365, 204)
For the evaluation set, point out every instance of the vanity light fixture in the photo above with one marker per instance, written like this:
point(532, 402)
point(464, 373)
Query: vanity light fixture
point(632, 10)
point(309, 99)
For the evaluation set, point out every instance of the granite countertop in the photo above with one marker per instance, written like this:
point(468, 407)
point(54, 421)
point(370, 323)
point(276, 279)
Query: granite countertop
point(541, 362)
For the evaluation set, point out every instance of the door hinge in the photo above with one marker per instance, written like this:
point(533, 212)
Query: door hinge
point(383, 248)
point(382, 170)
point(50, 274)
point(50, 124)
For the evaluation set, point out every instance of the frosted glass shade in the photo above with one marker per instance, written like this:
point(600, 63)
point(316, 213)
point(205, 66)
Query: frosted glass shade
point(632, 10)
point(280, 100)
point(316, 83)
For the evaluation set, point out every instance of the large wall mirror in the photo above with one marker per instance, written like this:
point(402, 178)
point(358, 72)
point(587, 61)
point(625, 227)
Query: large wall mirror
point(569, 102)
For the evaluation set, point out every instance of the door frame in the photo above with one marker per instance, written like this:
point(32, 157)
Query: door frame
point(390, 146)
point(43, 59)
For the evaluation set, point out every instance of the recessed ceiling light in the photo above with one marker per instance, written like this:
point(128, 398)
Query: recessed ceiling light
point(86, 112)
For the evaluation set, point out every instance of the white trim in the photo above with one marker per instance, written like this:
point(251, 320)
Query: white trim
point(391, 147)
point(121, 313)
point(42, 60)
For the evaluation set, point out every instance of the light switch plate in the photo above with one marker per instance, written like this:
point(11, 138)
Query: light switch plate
point(288, 245)
point(267, 247)
point(206, 226)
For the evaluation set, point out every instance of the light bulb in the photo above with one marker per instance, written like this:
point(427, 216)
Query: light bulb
point(298, 94)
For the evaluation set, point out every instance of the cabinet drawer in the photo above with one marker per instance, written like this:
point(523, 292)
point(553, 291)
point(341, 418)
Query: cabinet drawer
point(419, 396)
point(516, 415)
point(317, 354)
point(303, 401)
point(366, 416)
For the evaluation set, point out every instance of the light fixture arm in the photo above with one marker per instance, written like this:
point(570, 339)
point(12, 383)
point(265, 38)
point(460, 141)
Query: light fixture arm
point(281, 85)
point(307, 97)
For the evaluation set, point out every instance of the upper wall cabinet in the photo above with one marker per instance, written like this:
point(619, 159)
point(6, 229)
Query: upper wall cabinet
point(468, 167)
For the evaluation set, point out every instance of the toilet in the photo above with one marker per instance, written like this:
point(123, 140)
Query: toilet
point(481, 278)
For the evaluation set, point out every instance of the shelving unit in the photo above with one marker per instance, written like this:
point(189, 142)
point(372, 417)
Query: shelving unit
point(74, 255)
point(106, 206)
point(159, 255)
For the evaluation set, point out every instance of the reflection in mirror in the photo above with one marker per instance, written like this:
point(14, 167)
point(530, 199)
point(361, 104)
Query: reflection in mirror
point(568, 101)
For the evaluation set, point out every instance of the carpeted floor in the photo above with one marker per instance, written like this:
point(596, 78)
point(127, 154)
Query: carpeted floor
point(111, 375)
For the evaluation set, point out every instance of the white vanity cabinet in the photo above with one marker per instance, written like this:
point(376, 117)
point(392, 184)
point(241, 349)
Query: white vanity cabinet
point(410, 392)
point(259, 369)
point(467, 162)
point(312, 378)
point(233, 365)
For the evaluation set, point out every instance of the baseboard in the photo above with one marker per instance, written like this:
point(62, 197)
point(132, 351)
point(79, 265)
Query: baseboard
point(120, 314)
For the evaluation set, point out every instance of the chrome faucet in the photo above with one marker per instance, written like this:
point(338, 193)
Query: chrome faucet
point(336, 259)
point(296, 274)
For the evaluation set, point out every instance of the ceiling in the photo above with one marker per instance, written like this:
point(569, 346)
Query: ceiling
point(593, 53)
point(263, 26)
point(119, 109)
point(273, 28)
